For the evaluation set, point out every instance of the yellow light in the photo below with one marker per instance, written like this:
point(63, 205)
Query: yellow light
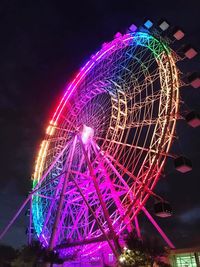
point(40, 160)
point(121, 259)
point(50, 129)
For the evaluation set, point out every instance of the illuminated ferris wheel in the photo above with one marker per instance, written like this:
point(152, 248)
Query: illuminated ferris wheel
point(107, 144)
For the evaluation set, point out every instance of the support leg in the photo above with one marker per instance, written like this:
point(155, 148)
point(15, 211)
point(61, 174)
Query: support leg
point(137, 227)
point(30, 195)
point(169, 243)
point(30, 223)
point(54, 234)
point(102, 203)
point(99, 224)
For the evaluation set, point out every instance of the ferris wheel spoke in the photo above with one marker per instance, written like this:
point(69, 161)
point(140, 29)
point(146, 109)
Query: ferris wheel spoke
point(117, 173)
point(143, 69)
point(75, 217)
point(96, 218)
point(42, 181)
point(75, 200)
point(139, 58)
point(146, 101)
point(102, 203)
point(139, 88)
point(70, 123)
point(103, 161)
point(135, 147)
point(118, 202)
point(146, 122)
point(143, 108)
point(137, 180)
point(68, 201)
point(91, 229)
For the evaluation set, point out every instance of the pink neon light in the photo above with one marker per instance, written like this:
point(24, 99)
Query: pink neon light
point(70, 89)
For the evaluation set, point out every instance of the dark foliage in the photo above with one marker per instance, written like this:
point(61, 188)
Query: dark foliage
point(150, 246)
point(7, 255)
point(143, 252)
point(35, 255)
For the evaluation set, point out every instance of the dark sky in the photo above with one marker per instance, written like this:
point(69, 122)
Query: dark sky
point(42, 45)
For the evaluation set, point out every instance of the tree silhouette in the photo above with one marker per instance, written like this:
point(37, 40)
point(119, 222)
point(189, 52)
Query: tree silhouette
point(145, 252)
point(29, 255)
point(35, 255)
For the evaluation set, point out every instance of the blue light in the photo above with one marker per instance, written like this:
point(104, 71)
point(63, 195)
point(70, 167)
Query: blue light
point(148, 24)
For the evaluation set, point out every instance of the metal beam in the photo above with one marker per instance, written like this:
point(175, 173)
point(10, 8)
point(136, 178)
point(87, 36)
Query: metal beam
point(30, 195)
point(102, 203)
point(82, 242)
point(151, 219)
point(99, 224)
point(54, 234)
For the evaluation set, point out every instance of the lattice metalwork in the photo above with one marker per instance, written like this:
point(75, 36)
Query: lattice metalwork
point(106, 145)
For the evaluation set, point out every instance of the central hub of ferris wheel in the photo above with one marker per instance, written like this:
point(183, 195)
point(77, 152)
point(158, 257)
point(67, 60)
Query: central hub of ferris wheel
point(87, 134)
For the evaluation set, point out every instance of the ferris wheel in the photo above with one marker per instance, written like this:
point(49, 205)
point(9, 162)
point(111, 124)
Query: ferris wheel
point(106, 146)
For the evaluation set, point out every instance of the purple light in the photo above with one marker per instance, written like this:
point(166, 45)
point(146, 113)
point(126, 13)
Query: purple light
point(133, 28)
point(118, 35)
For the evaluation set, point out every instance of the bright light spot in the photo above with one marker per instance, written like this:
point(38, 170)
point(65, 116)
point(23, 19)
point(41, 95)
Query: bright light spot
point(86, 134)
point(121, 259)
point(148, 24)
point(125, 248)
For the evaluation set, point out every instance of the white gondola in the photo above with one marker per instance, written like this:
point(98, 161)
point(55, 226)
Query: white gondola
point(183, 164)
point(162, 209)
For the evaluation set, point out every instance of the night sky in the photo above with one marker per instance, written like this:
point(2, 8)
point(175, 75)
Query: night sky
point(42, 46)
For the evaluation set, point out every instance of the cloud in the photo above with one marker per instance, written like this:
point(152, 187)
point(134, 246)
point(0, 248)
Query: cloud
point(190, 216)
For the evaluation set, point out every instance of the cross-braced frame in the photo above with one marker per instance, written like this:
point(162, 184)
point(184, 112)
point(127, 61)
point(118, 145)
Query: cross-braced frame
point(111, 135)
